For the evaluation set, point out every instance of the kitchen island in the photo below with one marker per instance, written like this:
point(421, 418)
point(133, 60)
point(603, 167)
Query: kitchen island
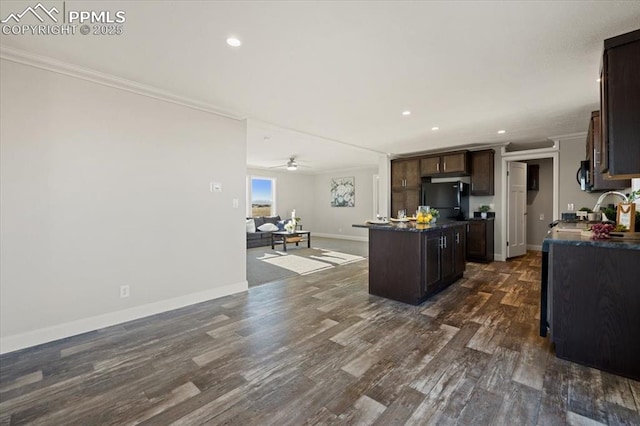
point(590, 301)
point(409, 262)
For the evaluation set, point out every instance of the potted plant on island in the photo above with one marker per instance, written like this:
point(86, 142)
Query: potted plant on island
point(435, 214)
point(483, 209)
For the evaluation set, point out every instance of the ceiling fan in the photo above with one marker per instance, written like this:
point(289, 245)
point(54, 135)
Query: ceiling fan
point(291, 165)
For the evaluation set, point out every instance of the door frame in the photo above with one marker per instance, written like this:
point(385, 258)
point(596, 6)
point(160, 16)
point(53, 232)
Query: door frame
point(531, 154)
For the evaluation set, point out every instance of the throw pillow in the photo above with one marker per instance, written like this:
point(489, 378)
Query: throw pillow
point(251, 226)
point(271, 219)
point(268, 227)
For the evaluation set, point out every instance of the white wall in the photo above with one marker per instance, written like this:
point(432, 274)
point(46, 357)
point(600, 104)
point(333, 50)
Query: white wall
point(337, 221)
point(101, 187)
point(292, 192)
point(540, 202)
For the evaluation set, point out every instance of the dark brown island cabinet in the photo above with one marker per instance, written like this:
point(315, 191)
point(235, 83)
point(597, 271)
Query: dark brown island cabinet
point(620, 106)
point(410, 262)
point(590, 301)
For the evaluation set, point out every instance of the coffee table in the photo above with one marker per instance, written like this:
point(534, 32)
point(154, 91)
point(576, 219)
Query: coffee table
point(281, 237)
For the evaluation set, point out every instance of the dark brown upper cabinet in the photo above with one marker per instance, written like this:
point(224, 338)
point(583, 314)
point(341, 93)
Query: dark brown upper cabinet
point(405, 174)
point(455, 163)
point(594, 155)
point(405, 186)
point(482, 177)
point(620, 106)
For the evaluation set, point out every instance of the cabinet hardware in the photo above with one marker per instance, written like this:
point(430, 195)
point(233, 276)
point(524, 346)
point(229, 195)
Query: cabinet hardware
point(445, 166)
point(437, 167)
point(445, 241)
point(457, 238)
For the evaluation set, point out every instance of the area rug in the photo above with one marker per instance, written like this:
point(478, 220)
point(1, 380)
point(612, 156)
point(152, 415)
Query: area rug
point(298, 264)
point(271, 265)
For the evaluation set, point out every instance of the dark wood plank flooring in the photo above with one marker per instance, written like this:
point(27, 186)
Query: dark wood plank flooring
point(318, 349)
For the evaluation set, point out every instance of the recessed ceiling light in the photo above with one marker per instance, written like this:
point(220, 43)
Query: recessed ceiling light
point(435, 128)
point(407, 112)
point(502, 132)
point(234, 42)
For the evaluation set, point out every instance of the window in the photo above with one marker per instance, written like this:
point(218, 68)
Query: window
point(261, 196)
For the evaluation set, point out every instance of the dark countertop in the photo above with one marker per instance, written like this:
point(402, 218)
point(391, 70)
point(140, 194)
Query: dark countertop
point(575, 239)
point(411, 226)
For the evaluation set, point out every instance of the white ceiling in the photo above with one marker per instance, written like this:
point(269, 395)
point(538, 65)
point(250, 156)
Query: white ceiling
point(345, 71)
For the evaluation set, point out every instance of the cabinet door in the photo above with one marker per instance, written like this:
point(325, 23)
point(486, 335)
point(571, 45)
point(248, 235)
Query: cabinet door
point(447, 252)
point(594, 154)
point(459, 235)
point(412, 173)
point(411, 201)
point(397, 174)
point(397, 202)
point(476, 239)
point(404, 199)
point(433, 265)
point(430, 166)
point(620, 104)
point(454, 163)
point(482, 178)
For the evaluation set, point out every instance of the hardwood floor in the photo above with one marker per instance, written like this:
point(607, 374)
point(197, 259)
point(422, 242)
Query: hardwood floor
point(318, 349)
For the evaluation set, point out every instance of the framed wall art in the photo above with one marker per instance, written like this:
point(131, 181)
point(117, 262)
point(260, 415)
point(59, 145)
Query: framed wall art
point(627, 215)
point(343, 192)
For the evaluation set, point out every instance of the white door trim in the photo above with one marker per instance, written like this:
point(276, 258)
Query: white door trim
point(536, 154)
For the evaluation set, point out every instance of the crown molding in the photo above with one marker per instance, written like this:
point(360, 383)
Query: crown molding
point(568, 136)
point(60, 67)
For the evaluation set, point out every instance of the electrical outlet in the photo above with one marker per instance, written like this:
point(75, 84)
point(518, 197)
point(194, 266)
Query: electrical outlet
point(215, 187)
point(541, 216)
point(124, 291)
point(570, 207)
point(492, 206)
point(235, 203)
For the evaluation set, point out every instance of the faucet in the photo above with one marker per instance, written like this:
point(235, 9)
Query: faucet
point(604, 195)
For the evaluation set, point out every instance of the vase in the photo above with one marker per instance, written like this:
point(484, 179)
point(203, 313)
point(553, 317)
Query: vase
point(483, 215)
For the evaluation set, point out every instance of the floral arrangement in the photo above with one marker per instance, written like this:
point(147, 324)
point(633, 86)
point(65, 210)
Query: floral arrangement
point(290, 226)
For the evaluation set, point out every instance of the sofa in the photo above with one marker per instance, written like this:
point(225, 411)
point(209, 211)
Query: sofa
point(262, 238)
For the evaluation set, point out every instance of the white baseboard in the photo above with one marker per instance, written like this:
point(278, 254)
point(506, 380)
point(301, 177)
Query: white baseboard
point(339, 236)
point(534, 247)
point(499, 257)
point(61, 331)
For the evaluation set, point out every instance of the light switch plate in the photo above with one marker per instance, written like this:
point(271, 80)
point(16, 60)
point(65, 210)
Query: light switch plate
point(215, 187)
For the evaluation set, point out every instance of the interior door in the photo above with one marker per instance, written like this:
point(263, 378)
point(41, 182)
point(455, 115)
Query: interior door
point(516, 209)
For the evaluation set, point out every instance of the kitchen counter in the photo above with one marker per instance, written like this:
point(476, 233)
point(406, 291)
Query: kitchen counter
point(590, 301)
point(575, 239)
point(411, 226)
point(408, 262)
